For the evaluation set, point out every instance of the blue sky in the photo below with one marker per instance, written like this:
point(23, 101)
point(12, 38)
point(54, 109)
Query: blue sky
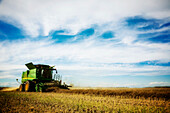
point(92, 43)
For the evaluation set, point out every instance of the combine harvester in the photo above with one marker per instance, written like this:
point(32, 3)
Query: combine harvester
point(40, 77)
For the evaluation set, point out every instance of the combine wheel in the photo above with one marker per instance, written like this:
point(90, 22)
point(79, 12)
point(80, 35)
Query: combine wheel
point(28, 86)
point(22, 87)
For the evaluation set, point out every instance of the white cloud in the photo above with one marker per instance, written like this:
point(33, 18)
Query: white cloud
point(160, 83)
point(92, 56)
point(8, 76)
point(93, 51)
point(40, 15)
point(9, 84)
point(10, 73)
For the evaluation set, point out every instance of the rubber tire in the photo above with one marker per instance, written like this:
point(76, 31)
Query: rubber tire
point(22, 87)
point(27, 86)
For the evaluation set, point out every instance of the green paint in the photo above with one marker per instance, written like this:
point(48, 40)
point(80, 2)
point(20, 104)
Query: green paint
point(29, 75)
point(39, 87)
point(38, 75)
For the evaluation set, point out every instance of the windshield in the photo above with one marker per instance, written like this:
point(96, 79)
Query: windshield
point(55, 75)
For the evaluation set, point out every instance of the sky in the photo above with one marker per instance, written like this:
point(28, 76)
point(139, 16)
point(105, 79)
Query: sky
point(92, 43)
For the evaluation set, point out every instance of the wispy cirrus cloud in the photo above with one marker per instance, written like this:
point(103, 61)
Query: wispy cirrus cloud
point(89, 54)
point(75, 15)
point(160, 83)
point(86, 38)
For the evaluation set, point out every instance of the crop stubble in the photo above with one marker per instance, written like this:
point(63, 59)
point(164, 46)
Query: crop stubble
point(87, 100)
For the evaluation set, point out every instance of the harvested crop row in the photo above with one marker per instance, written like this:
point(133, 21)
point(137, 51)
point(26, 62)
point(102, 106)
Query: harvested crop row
point(163, 93)
point(62, 102)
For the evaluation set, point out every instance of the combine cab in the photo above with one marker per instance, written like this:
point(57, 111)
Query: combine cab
point(40, 77)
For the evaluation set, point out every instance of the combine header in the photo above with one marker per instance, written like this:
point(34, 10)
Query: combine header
point(39, 77)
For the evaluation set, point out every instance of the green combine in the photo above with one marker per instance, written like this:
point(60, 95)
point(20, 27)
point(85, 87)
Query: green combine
point(40, 77)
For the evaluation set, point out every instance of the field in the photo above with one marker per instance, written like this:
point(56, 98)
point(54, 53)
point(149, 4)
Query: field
point(113, 100)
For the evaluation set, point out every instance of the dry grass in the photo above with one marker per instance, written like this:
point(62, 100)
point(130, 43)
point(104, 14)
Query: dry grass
point(163, 93)
point(86, 100)
point(8, 88)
